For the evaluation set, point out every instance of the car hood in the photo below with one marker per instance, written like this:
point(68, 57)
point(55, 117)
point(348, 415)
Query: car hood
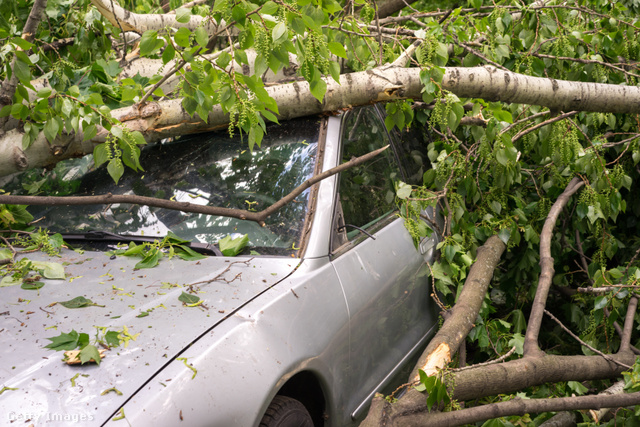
point(37, 385)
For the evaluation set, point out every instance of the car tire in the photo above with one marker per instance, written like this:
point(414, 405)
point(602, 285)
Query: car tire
point(286, 412)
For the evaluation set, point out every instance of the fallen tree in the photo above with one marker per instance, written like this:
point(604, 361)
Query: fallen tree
point(528, 126)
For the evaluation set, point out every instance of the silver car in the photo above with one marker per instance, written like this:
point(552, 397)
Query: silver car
point(326, 305)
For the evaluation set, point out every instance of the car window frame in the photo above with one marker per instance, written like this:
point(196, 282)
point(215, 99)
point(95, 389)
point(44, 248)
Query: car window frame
point(312, 200)
point(338, 242)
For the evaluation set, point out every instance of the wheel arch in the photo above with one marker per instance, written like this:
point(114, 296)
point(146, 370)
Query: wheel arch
point(306, 387)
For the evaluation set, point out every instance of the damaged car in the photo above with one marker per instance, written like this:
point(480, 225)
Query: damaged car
point(217, 320)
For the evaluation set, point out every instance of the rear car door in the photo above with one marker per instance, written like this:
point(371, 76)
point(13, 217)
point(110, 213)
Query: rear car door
point(384, 277)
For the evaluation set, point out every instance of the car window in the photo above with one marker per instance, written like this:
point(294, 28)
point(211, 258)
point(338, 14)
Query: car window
point(207, 169)
point(412, 150)
point(366, 192)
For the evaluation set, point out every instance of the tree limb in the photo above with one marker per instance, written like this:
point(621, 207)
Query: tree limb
point(258, 217)
point(547, 270)
point(521, 407)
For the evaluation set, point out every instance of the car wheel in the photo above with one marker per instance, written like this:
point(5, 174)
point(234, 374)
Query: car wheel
point(286, 412)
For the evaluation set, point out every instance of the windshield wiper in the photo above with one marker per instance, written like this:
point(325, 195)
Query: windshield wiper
point(105, 236)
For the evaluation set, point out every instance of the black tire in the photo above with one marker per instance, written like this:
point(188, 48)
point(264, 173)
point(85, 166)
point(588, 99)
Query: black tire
point(286, 412)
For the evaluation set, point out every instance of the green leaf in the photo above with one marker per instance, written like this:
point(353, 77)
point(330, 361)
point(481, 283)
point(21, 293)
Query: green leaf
point(518, 342)
point(23, 72)
point(32, 285)
point(64, 341)
point(168, 54)
point(88, 353)
point(232, 247)
point(115, 169)
point(601, 302)
point(89, 132)
point(78, 302)
point(183, 15)
point(269, 8)
point(202, 37)
point(337, 49)
point(188, 298)
point(279, 32)
point(100, 154)
point(318, 88)
point(182, 37)
point(149, 43)
point(9, 280)
point(111, 338)
point(188, 254)
point(50, 270)
point(404, 190)
point(151, 259)
point(51, 129)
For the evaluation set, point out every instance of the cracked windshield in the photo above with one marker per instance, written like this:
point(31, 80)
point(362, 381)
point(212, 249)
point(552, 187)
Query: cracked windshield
point(211, 169)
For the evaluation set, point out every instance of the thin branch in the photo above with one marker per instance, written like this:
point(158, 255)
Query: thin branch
point(258, 217)
point(605, 289)
point(625, 338)
point(490, 362)
point(526, 119)
point(546, 122)
point(577, 338)
point(124, 39)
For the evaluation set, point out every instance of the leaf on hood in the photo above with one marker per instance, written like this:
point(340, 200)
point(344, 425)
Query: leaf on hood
point(32, 285)
point(50, 270)
point(9, 281)
point(78, 302)
point(64, 341)
point(188, 298)
point(232, 247)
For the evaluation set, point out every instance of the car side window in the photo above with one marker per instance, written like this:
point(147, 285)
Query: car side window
point(366, 192)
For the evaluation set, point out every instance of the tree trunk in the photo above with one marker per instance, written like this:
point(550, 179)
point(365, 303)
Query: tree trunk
point(128, 21)
point(163, 119)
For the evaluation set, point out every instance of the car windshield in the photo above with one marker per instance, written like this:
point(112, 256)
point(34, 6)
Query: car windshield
point(205, 169)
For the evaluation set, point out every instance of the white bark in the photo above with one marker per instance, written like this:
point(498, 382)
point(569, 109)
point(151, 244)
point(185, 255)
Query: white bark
point(492, 84)
point(163, 119)
point(128, 21)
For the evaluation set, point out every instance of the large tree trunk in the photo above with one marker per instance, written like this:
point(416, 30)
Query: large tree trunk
point(159, 120)
point(128, 21)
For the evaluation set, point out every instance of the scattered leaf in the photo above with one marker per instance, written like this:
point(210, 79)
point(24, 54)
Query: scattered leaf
point(232, 247)
point(78, 302)
point(188, 298)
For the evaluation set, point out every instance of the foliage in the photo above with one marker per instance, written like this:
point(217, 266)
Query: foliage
point(502, 178)
point(81, 341)
point(232, 247)
point(151, 253)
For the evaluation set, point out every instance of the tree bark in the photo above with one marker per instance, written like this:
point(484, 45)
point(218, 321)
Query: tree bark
point(9, 85)
point(167, 118)
point(462, 316)
point(389, 7)
point(520, 407)
point(139, 23)
point(546, 270)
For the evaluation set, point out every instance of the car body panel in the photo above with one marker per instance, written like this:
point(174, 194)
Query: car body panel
point(43, 381)
point(282, 330)
point(388, 297)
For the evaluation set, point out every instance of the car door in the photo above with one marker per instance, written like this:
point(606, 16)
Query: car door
point(384, 277)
